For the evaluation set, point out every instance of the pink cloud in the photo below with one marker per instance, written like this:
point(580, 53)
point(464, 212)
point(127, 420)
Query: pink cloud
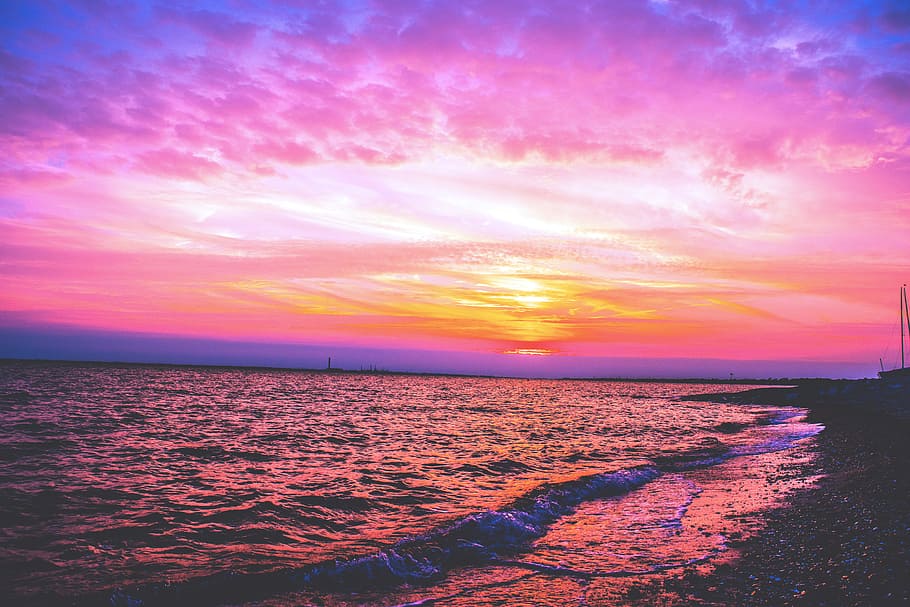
point(173, 163)
point(289, 152)
point(390, 82)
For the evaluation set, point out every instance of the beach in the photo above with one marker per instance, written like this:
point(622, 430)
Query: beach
point(842, 541)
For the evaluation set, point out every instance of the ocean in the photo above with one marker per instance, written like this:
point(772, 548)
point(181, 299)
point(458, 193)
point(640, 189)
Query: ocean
point(133, 485)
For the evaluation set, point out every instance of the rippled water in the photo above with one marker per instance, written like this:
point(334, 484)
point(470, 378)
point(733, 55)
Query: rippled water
point(165, 485)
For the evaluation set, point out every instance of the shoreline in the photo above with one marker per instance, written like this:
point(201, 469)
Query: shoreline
point(843, 541)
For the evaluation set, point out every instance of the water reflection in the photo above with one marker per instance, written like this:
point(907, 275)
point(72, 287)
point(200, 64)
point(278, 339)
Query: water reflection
point(113, 476)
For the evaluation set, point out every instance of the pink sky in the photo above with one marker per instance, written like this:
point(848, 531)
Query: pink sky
point(663, 180)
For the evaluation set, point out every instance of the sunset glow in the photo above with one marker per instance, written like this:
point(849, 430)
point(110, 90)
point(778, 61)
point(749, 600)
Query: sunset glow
point(579, 181)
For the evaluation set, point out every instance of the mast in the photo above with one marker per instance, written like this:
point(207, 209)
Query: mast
point(905, 316)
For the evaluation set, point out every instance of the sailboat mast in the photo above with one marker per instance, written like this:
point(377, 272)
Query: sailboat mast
point(906, 317)
point(903, 298)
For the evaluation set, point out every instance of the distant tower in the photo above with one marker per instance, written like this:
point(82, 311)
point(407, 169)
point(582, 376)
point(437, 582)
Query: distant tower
point(330, 363)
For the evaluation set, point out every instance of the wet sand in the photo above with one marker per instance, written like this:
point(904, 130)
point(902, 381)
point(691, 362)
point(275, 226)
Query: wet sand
point(843, 541)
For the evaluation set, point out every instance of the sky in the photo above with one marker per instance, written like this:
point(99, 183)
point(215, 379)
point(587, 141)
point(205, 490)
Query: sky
point(641, 188)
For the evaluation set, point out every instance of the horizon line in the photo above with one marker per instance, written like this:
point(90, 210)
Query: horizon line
point(341, 371)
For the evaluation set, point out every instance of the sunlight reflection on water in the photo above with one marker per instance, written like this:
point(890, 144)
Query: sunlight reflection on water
point(112, 476)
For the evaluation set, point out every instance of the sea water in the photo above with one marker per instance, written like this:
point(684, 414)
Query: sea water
point(142, 485)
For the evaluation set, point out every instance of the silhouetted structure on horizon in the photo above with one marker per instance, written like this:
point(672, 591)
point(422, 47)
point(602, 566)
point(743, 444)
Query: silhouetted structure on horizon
point(905, 316)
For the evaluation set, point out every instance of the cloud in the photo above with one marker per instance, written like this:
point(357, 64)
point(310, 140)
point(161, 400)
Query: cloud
point(896, 18)
point(895, 85)
point(289, 152)
point(391, 82)
point(174, 163)
point(215, 26)
point(381, 168)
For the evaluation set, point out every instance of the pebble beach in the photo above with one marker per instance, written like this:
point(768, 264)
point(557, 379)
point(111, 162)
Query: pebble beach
point(842, 541)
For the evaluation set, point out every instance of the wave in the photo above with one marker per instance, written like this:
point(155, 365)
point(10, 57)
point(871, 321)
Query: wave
point(730, 427)
point(778, 443)
point(472, 540)
point(710, 451)
point(218, 453)
point(495, 468)
point(482, 538)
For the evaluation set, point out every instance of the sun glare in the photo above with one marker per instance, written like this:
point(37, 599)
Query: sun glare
point(530, 351)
